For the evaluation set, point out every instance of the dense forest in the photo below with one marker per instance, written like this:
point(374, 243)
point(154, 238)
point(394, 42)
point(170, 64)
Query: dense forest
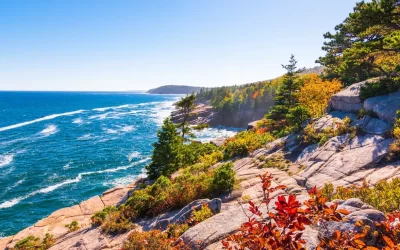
point(237, 105)
point(240, 103)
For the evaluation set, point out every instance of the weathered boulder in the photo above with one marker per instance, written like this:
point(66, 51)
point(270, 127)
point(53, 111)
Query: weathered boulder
point(185, 213)
point(343, 160)
point(384, 106)
point(329, 120)
point(359, 211)
point(348, 100)
point(373, 125)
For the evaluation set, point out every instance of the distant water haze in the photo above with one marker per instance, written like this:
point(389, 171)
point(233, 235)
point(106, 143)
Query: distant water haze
point(60, 148)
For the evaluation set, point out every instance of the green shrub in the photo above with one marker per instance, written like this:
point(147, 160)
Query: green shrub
point(73, 226)
point(224, 178)
point(201, 126)
point(381, 87)
point(297, 116)
point(384, 196)
point(116, 222)
point(311, 135)
point(276, 161)
point(34, 243)
point(394, 150)
point(246, 142)
point(99, 217)
point(156, 239)
point(191, 153)
point(201, 215)
point(192, 183)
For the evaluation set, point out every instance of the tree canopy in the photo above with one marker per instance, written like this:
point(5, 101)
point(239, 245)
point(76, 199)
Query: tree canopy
point(366, 44)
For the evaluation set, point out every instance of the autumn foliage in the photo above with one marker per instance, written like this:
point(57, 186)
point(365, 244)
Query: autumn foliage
point(315, 93)
point(282, 226)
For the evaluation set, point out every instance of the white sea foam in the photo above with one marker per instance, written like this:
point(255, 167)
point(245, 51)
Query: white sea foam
point(10, 203)
point(6, 159)
point(68, 165)
point(127, 128)
point(115, 107)
point(49, 117)
point(85, 137)
point(208, 134)
point(14, 185)
point(133, 155)
point(125, 180)
point(49, 130)
point(100, 117)
point(77, 121)
point(51, 188)
point(110, 131)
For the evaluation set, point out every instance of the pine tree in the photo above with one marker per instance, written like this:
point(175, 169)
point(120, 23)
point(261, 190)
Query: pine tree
point(185, 106)
point(366, 44)
point(166, 151)
point(286, 95)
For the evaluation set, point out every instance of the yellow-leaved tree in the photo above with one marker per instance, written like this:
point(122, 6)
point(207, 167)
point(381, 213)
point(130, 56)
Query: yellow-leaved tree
point(315, 93)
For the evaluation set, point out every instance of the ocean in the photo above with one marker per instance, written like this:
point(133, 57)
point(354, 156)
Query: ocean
point(60, 148)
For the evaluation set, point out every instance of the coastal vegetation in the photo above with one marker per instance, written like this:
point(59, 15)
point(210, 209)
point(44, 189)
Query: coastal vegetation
point(283, 226)
point(365, 44)
point(384, 195)
point(182, 170)
point(34, 243)
point(394, 153)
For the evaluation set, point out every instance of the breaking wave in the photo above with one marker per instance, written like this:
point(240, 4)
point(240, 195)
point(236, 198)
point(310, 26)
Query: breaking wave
point(49, 130)
point(49, 117)
point(13, 202)
point(6, 159)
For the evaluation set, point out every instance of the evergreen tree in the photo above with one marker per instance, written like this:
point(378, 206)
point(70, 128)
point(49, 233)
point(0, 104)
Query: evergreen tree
point(185, 106)
point(286, 95)
point(166, 151)
point(366, 44)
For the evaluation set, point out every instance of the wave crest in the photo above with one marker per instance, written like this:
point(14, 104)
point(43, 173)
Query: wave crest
point(49, 130)
point(51, 188)
point(49, 117)
point(6, 159)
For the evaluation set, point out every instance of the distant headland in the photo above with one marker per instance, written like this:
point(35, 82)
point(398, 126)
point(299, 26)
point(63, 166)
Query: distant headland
point(174, 89)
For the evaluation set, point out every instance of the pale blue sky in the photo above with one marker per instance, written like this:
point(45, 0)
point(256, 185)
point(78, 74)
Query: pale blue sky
point(137, 45)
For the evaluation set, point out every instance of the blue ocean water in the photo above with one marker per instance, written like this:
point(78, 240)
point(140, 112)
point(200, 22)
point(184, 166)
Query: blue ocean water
point(60, 148)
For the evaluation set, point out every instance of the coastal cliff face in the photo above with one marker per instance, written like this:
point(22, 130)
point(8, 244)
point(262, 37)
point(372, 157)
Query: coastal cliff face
point(206, 114)
point(342, 160)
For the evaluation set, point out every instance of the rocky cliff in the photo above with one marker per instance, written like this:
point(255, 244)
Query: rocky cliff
point(342, 160)
point(206, 114)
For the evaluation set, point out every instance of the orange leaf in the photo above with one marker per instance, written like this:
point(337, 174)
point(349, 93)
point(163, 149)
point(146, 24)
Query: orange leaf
point(388, 241)
point(360, 243)
point(359, 236)
point(343, 211)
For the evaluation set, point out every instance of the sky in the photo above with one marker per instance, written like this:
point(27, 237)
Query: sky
point(118, 45)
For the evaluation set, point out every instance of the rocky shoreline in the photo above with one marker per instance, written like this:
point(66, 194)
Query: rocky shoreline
point(55, 222)
point(342, 160)
point(204, 113)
